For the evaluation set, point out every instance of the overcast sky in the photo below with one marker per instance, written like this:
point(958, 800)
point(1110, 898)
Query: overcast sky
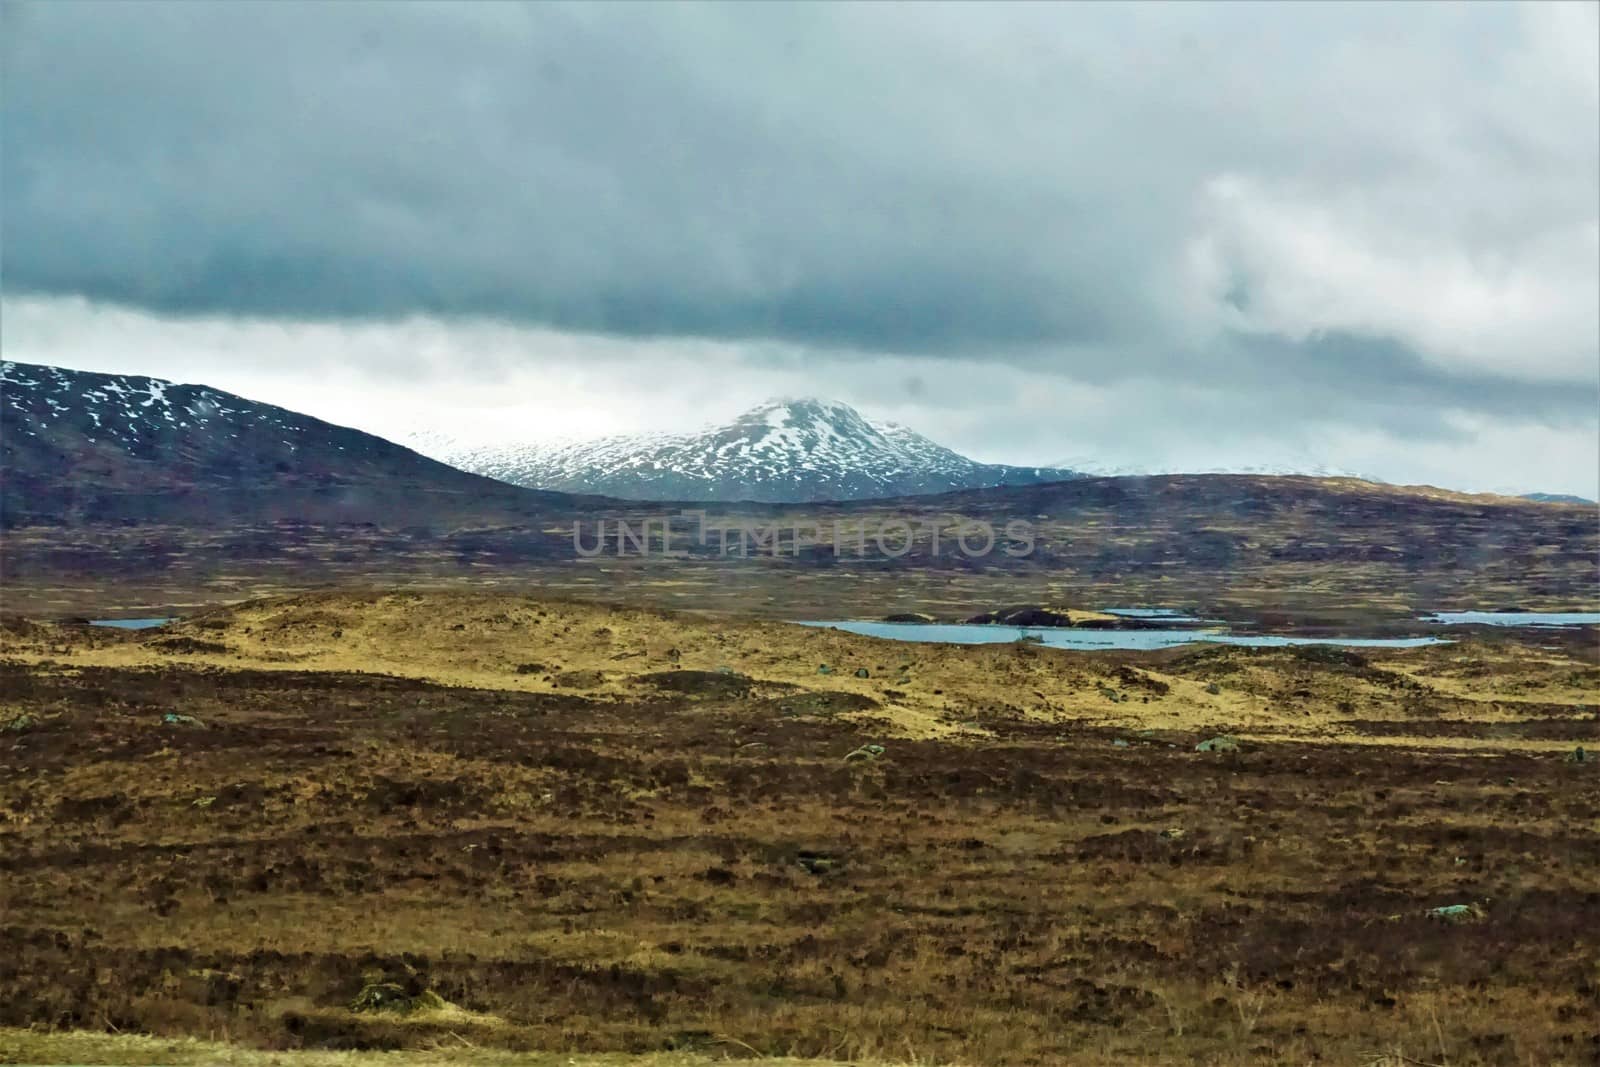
point(1175, 235)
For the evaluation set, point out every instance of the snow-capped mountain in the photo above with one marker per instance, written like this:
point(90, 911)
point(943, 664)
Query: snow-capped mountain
point(81, 445)
point(792, 450)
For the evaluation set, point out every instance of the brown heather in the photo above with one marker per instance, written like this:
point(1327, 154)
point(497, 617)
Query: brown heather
point(647, 843)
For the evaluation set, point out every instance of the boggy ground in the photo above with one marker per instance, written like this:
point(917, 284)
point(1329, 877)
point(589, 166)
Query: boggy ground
point(547, 837)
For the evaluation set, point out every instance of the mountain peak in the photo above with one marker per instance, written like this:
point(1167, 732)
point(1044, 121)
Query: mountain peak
point(801, 409)
point(786, 449)
point(803, 424)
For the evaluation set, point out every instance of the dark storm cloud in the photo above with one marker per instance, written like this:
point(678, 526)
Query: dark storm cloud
point(579, 168)
point(1022, 184)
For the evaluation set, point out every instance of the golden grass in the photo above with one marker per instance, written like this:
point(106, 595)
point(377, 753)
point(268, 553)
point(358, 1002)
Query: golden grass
point(924, 690)
point(137, 1050)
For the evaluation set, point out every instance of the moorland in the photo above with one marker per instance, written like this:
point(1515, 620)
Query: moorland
point(477, 821)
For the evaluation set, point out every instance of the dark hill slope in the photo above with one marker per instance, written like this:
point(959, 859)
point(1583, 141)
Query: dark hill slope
point(84, 448)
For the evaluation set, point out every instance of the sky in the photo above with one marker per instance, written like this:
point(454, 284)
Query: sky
point(1172, 236)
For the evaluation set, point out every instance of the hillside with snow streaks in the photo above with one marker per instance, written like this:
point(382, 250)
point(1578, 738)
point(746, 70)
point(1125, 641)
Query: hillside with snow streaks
point(794, 450)
point(80, 446)
point(129, 411)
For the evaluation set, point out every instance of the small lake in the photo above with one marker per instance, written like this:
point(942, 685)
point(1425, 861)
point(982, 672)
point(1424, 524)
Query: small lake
point(1144, 640)
point(1515, 618)
point(130, 624)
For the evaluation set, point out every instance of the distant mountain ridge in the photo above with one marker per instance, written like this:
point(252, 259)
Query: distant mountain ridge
point(1557, 498)
point(1299, 466)
point(117, 478)
point(784, 451)
point(80, 447)
point(1295, 466)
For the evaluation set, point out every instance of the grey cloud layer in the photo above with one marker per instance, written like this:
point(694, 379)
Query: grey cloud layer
point(1043, 185)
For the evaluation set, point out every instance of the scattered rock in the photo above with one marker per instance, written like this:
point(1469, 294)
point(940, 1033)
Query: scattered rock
point(1578, 755)
point(392, 997)
point(862, 672)
point(823, 668)
point(1214, 689)
point(865, 752)
point(1220, 743)
point(530, 668)
point(817, 862)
